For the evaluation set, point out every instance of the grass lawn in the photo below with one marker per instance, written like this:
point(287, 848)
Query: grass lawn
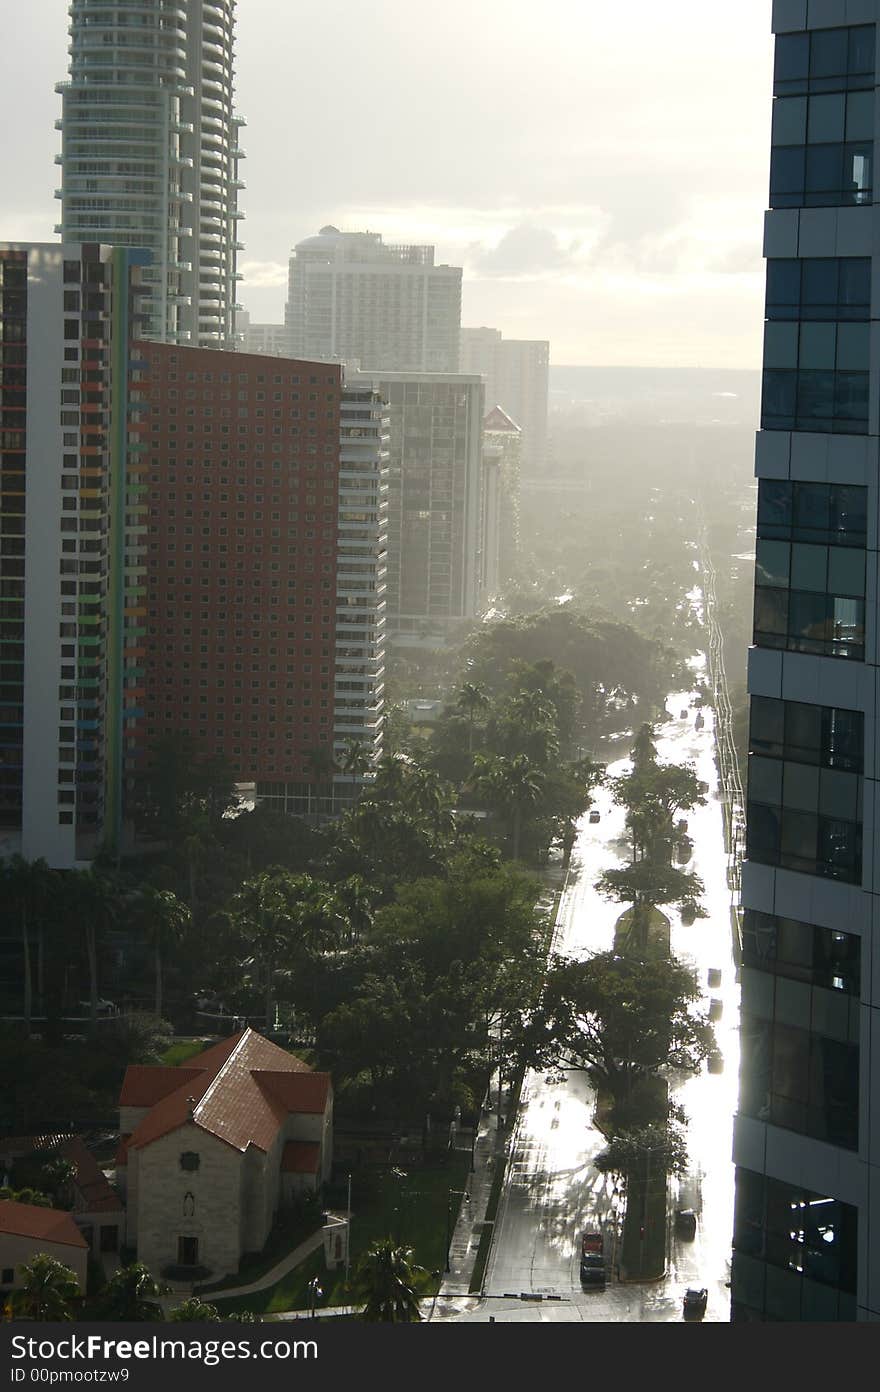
point(644, 1256)
point(658, 932)
point(412, 1210)
point(183, 1049)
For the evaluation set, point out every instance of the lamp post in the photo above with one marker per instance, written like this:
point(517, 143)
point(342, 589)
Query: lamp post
point(615, 1219)
point(315, 1293)
point(465, 1196)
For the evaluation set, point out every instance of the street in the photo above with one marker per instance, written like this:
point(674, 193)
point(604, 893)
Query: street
point(553, 1192)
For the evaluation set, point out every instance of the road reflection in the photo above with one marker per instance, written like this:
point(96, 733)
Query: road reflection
point(554, 1191)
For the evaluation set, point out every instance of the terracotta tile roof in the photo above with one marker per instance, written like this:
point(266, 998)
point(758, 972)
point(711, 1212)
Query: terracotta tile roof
point(19, 1146)
point(145, 1085)
point(301, 1157)
point(225, 1098)
point(297, 1092)
point(44, 1224)
point(95, 1193)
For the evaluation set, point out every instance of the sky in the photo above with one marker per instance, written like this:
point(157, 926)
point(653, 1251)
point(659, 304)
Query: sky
point(599, 171)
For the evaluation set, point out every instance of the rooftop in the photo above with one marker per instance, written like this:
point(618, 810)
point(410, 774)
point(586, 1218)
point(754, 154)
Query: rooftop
point(44, 1224)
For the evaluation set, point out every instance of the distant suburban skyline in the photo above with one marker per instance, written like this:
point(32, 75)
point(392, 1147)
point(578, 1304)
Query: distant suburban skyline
point(600, 174)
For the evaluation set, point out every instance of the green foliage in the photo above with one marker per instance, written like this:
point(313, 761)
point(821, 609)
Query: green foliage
point(48, 1292)
point(388, 1280)
point(131, 1294)
point(621, 1019)
point(195, 1311)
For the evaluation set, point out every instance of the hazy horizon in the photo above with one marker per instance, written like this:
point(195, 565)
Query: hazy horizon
point(597, 183)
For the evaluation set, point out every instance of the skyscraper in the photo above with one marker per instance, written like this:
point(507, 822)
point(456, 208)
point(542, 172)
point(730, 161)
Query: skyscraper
point(809, 1107)
point(150, 153)
point(516, 372)
point(71, 548)
point(435, 497)
point(354, 298)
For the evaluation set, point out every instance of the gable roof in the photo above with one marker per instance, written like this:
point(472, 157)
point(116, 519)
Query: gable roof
point(43, 1224)
point(498, 419)
point(240, 1090)
point(144, 1085)
point(94, 1192)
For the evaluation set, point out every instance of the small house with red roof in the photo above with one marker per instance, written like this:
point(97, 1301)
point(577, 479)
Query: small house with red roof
point(211, 1150)
point(96, 1207)
point(26, 1230)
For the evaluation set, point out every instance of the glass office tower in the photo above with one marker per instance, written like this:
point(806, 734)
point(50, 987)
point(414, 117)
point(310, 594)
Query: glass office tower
point(807, 1175)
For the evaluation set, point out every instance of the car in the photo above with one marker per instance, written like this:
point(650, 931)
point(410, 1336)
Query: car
point(593, 1259)
point(594, 816)
point(695, 1298)
point(103, 1007)
point(686, 1223)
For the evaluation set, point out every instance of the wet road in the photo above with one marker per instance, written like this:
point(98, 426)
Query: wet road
point(553, 1191)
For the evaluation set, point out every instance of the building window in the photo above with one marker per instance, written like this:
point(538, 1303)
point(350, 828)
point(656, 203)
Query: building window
point(815, 376)
point(821, 957)
point(805, 788)
point(794, 1253)
point(189, 1160)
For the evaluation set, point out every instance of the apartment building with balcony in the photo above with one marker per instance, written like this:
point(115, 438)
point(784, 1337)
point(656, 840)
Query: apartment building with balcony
point(435, 498)
point(807, 1178)
point(150, 153)
point(354, 298)
point(72, 566)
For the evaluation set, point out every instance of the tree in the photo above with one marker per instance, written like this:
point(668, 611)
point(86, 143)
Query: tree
point(514, 784)
point(621, 1019)
point(472, 700)
point(195, 1311)
point(132, 1294)
point(646, 884)
point(162, 919)
point(49, 1291)
point(388, 1280)
point(91, 899)
point(180, 786)
point(261, 911)
point(663, 1142)
point(322, 766)
point(27, 884)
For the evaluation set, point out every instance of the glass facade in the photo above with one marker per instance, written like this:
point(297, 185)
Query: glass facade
point(805, 788)
point(794, 1253)
point(823, 118)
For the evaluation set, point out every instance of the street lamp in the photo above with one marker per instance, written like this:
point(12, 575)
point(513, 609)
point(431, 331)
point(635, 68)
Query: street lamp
point(615, 1220)
point(315, 1293)
point(465, 1196)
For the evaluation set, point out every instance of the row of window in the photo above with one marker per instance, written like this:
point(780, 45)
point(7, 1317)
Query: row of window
point(794, 1252)
point(833, 513)
point(821, 176)
point(822, 60)
point(800, 1079)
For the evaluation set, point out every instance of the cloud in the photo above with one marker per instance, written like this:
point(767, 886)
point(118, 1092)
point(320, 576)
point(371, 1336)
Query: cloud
point(263, 275)
point(525, 250)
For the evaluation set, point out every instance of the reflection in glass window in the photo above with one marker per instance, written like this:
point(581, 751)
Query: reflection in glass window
point(799, 817)
point(795, 1252)
point(824, 60)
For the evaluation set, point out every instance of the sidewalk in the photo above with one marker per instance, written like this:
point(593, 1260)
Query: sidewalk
point(490, 1155)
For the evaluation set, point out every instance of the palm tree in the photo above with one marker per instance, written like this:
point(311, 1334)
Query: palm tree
point(387, 1280)
point(92, 900)
point(132, 1294)
point(163, 919)
point(262, 912)
point(322, 762)
point(26, 884)
point(390, 778)
point(472, 700)
point(49, 1290)
point(359, 901)
point(195, 1311)
point(515, 784)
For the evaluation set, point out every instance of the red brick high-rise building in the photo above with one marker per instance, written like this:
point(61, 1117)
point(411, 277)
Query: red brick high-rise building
point(243, 459)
